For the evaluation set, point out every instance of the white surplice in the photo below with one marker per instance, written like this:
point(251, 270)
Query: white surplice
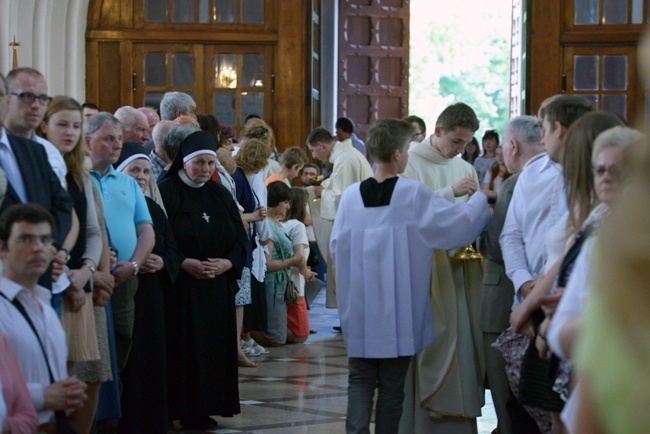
point(444, 387)
point(349, 166)
point(383, 258)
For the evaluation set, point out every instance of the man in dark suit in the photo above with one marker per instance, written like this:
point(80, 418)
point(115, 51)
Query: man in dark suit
point(521, 143)
point(31, 178)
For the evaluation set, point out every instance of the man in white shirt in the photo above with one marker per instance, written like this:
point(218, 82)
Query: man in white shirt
point(26, 251)
point(521, 143)
point(538, 199)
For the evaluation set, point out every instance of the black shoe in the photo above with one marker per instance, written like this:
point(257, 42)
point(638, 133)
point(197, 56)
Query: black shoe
point(199, 423)
point(337, 329)
point(312, 332)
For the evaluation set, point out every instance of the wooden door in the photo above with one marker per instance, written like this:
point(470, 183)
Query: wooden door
point(139, 49)
point(373, 61)
point(587, 47)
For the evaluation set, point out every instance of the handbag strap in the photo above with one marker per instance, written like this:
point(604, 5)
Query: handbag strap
point(279, 243)
point(18, 305)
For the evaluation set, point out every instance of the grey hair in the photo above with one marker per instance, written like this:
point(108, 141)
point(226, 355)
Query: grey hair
point(174, 102)
point(525, 130)
point(175, 136)
point(128, 116)
point(160, 131)
point(92, 124)
point(615, 137)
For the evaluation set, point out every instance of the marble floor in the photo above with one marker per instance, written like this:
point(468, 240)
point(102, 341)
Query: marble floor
point(303, 388)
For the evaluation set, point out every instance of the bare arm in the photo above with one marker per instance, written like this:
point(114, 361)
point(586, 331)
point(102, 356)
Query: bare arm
point(281, 264)
point(146, 240)
point(520, 317)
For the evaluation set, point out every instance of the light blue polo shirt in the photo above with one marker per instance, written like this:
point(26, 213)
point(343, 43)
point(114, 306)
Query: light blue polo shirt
point(124, 209)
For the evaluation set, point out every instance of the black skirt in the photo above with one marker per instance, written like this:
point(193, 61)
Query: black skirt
point(538, 377)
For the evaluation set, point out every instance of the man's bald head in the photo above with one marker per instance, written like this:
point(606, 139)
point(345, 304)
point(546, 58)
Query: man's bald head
point(136, 126)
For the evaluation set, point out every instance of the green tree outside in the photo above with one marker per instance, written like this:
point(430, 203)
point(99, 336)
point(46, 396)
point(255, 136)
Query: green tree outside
point(461, 52)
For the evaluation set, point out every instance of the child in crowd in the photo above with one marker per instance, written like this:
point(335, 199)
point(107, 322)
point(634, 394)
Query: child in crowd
point(294, 225)
point(382, 244)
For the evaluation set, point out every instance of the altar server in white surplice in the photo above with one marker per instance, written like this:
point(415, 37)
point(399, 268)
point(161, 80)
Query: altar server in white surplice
point(444, 387)
point(348, 166)
point(382, 244)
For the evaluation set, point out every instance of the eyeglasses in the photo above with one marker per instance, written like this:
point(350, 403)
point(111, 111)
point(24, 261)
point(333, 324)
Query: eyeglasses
point(29, 98)
point(28, 240)
point(600, 171)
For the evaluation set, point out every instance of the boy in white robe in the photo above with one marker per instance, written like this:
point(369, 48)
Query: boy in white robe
point(382, 244)
point(444, 388)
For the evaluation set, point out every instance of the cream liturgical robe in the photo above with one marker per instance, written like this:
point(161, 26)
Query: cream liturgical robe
point(349, 166)
point(383, 258)
point(444, 387)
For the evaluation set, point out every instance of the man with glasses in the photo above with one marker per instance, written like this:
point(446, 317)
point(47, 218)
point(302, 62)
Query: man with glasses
point(30, 177)
point(28, 101)
point(26, 317)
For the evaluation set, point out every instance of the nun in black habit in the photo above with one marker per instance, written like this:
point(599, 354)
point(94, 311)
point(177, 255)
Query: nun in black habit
point(144, 378)
point(201, 324)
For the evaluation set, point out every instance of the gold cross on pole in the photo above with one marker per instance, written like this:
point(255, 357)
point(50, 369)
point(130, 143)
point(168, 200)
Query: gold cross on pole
point(14, 45)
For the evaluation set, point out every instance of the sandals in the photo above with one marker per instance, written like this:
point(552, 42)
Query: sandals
point(252, 348)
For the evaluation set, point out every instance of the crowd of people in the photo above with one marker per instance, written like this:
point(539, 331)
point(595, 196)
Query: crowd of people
point(148, 255)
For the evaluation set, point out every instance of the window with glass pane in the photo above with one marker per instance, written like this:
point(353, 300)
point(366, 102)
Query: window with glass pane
point(183, 11)
point(204, 11)
point(615, 12)
point(252, 103)
point(614, 72)
point(252, 11)
point(225, 11)
point(209, 11)
point(155, 11)
point(637, 11)
point(155, 69)
point(585, 73)
point(225, 70)
point(615, 104)
point(182, 69)
point(152, 99)
point(587, 11)
point(252, 74)
point(223, 107)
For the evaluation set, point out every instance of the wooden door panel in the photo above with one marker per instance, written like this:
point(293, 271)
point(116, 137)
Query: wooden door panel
point(373, 61)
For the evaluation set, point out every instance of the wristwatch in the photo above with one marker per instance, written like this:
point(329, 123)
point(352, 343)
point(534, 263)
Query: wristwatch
point(136, 268)
point(91, 267)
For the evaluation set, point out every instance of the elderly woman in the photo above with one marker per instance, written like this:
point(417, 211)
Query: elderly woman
point(201, 324)
point(144, 391)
